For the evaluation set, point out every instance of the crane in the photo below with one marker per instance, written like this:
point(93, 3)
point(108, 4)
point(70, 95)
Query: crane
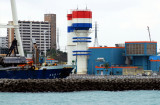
point(16, 47)
point(15, 22)
point(15, 26)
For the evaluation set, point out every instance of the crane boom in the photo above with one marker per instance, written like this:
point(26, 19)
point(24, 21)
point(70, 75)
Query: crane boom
point(149, 33)
point(15, 22)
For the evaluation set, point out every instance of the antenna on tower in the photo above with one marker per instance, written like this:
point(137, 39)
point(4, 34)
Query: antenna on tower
point(77, 6)
point(96, 39)
point(149, 33)
point(58, 47)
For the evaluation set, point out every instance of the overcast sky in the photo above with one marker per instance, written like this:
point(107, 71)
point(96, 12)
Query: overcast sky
point(118, 20)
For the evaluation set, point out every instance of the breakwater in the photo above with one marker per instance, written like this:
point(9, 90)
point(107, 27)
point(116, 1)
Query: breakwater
point(81, 83)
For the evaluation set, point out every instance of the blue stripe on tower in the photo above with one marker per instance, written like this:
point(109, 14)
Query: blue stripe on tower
point(81, 26)
point(81, 51)
point(81, 38)
point(81, 41)
point(80, 54)
point(70, 29)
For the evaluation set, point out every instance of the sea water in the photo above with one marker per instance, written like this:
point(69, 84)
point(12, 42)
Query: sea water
point(82, 98)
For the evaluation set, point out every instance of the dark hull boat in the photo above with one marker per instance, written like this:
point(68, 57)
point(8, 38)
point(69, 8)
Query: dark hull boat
point(46, 72)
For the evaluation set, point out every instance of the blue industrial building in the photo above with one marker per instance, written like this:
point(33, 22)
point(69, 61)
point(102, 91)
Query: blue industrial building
point(133, 55)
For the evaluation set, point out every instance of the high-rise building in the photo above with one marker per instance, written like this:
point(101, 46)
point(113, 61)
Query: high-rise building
point(51, 18)
point(44, 32)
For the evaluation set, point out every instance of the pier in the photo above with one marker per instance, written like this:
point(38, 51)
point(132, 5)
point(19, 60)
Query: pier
point(81, 83)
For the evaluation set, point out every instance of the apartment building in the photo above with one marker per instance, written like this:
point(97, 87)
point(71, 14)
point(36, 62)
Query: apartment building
point(44, 32)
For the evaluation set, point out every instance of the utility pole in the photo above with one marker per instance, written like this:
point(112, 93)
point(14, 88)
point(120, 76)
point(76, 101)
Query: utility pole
point(96, 39)
point(58, 47)
point(45, 52)
point(149, 33)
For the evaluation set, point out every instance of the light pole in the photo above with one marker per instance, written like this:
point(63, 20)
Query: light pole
point(45, 44)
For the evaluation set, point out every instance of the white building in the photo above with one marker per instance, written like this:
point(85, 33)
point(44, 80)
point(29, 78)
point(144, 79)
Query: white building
point(44, 32)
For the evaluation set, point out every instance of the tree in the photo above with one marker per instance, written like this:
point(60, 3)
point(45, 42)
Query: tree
point(106, 65)
point(57, 55)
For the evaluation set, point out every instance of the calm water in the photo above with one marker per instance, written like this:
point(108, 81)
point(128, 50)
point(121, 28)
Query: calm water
point(82, 98)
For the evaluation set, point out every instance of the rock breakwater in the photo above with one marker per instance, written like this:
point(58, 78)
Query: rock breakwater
point(79, 84)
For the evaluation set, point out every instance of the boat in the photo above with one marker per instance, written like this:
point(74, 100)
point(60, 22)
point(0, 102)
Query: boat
point(45, 72)
point(15, 56)
point(18, 67)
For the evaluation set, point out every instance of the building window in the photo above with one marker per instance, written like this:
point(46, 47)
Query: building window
point(135, 48)
point(151, 49)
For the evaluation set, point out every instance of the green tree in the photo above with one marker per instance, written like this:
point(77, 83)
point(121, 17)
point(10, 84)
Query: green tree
point(106, 65)
point(57, 55)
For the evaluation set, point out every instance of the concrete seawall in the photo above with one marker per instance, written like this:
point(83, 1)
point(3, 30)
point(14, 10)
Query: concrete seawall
point(74, 83)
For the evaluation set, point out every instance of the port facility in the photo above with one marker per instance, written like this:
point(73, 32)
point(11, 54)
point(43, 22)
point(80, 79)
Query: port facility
point(131, 58)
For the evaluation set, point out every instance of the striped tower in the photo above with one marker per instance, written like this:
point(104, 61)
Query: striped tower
point(70, 45)
point(81, 23)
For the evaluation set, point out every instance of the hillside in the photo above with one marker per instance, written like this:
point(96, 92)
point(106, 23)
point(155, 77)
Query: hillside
point(57, 55)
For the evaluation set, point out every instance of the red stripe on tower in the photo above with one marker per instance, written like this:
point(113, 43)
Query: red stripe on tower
point(81, 14)
point(69, 16)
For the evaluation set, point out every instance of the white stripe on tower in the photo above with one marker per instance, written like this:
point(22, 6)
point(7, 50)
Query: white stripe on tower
point(70, 45)
point(81, 20)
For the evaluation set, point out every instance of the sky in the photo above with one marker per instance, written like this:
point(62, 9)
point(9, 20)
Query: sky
point(118, 20)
